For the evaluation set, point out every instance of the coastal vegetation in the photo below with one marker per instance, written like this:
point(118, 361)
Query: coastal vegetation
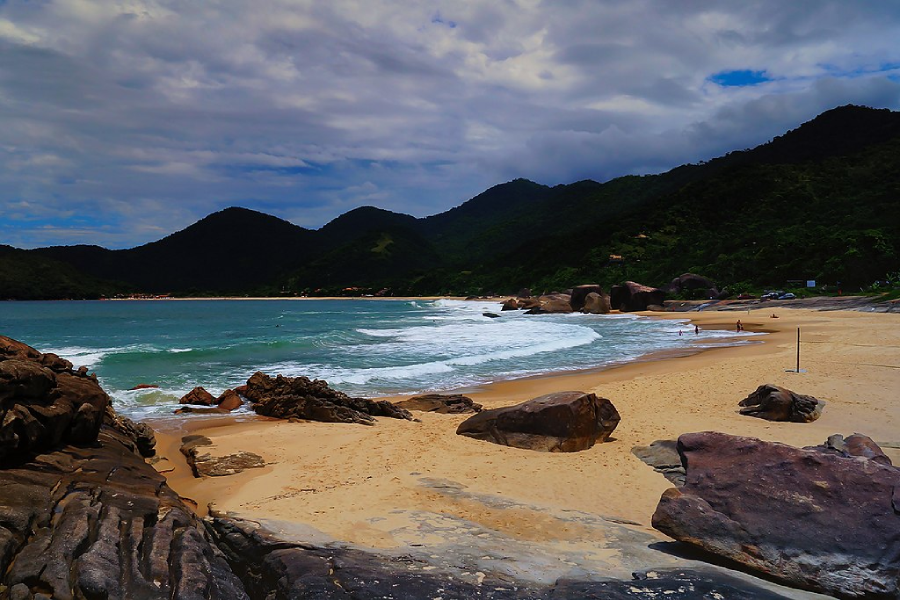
point(821, 202)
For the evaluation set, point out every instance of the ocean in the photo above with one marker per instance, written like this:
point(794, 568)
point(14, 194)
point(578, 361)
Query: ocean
point(366, 348)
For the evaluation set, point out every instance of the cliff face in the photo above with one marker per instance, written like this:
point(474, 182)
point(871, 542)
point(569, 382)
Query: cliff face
point(82, 516)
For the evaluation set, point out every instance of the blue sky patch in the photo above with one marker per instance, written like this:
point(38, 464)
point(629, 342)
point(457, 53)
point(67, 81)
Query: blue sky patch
point(742, 78)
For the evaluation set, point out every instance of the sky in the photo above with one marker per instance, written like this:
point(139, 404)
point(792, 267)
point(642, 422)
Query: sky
point(124, 121)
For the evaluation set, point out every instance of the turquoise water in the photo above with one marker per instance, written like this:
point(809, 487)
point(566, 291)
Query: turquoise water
point(363, 347)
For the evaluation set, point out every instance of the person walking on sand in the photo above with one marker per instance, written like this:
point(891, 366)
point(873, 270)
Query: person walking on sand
point(740, 326)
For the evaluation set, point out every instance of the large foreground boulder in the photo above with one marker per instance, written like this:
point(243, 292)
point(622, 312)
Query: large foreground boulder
point(819, 518)
point(302, 398)
point(560, 422)
point(775, 403)
point(632, 297)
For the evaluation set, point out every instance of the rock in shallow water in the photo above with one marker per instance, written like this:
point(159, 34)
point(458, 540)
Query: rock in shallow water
point(560, 422)
point(810, 517)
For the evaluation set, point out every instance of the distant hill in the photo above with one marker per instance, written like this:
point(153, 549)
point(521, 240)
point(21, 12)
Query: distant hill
point(820, 202)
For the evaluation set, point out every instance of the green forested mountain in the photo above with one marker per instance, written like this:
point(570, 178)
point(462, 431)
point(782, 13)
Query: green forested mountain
point(819, 202)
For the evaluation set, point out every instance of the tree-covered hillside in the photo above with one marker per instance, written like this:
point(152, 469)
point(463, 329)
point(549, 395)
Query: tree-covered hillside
point(820, 202)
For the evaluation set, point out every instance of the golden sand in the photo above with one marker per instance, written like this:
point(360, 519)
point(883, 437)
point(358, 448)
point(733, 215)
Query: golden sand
point(399, 484)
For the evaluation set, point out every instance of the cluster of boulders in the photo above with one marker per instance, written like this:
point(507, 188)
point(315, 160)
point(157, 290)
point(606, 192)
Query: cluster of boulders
point(306, 399)
point(82, 515)
point(591, 299)
point(228, 401)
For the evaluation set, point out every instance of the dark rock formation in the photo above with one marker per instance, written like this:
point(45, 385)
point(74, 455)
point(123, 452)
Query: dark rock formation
point(809, 517)
point(775, 403)
point(204, 464)
point(580, 292)
point(663, 456)
point(92, 520)
point(44, 402)
point(274, 568)
point(302, 398)
point(596, 304)
point(510, 304)
point(560, 422)
point(198, 396)
point(690, 282)
point(631, 297)
point(229, 400)
point(524, 293)
point(490, 315)
point(440, 403)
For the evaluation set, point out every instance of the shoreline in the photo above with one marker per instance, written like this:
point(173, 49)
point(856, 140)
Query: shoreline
point(406, 487)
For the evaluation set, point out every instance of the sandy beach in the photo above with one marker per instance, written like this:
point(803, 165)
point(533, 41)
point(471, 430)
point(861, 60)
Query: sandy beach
point(417, 487)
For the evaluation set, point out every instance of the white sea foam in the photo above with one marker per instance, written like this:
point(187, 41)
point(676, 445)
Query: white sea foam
point(78, 356)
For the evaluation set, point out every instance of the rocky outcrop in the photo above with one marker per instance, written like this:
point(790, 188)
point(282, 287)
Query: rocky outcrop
point(580, 293)
point(688, 282)
point(274, 568)
point(198, 396)
point(301, 398)
point(596, 304)
point(560, 422)
point(44, 402)
point(82, 516)
point(204, 464)
point(631, 297)
point(809, 517)
point(448, 404)
point(775, 403)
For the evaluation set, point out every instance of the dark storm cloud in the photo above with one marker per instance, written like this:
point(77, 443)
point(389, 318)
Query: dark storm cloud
point(146, 115)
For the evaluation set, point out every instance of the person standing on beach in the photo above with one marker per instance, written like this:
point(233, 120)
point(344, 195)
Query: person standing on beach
point(697, 329)
point(740, 326)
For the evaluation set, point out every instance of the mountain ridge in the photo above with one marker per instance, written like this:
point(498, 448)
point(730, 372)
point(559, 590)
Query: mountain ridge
point(522, 233)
